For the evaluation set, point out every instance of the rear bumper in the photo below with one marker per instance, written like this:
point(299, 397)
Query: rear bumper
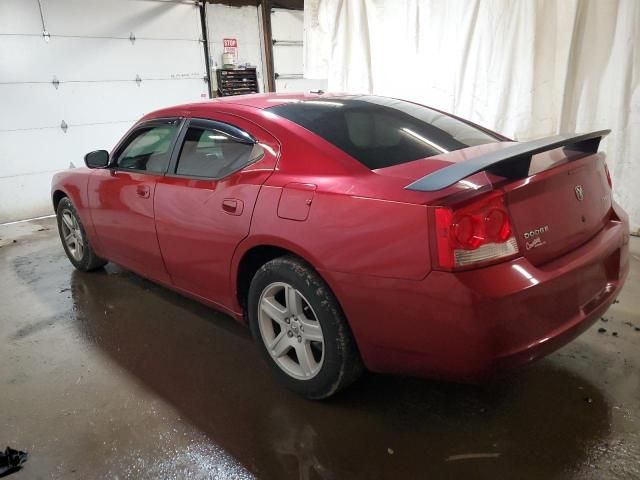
point(469, 325)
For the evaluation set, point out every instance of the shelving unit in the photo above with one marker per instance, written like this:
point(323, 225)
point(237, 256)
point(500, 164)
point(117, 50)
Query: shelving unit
point(236, 81)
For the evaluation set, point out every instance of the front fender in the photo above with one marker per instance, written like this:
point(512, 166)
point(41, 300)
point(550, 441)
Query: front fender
point(73, 184)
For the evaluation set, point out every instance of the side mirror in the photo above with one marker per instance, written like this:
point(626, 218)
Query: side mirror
point(97, 159)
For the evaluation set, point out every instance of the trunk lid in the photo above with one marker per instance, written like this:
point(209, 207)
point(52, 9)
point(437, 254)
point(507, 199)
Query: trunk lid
point(565, 202)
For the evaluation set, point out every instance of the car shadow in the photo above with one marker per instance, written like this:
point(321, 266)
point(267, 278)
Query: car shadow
point(540, 423)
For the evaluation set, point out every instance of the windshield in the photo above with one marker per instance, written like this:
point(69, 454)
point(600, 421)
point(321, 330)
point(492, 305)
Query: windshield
point(380, 132)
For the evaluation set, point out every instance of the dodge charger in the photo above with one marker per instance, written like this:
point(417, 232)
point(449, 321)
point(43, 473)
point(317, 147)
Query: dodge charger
point(354, 232)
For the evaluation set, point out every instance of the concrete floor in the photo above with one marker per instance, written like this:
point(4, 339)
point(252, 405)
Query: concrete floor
point(106, 375)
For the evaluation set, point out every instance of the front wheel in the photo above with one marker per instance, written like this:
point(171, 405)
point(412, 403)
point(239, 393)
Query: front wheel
point(74, 238)
point(301, 330)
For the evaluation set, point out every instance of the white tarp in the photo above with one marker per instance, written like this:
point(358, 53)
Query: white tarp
point(524, 68)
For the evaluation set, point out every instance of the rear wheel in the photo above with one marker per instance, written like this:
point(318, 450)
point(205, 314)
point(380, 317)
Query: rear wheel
point(301, 330)
point(74, 238)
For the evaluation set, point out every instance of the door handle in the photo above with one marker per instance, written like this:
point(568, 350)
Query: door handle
point(143, 191)
point(232, 206)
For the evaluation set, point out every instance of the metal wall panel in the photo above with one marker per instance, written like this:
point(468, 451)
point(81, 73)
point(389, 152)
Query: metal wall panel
point(20, 17)
point(95, 107)
point(287, 25)
point(287, 33)
point(299, 85)
point(159, 19)
point(90, 53)
point(25, 189)
point(31, 59)
point(36, 106)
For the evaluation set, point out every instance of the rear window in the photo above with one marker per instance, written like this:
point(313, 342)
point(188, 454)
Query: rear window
point(381, 132)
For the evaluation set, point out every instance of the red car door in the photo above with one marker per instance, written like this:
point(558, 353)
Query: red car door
point(121, 198)
point(203, 205)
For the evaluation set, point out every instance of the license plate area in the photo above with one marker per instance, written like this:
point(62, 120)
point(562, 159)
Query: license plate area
point(597, 281)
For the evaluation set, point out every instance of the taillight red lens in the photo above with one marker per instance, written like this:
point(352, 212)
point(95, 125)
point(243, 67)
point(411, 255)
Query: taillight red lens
point(497, 226)
point(467, 230)
point(475, 233)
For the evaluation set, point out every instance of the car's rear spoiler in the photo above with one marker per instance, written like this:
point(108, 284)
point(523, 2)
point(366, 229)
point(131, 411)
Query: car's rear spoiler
point(510, 162)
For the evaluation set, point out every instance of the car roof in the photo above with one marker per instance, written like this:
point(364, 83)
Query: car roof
point(256, 100)
point(266, 100)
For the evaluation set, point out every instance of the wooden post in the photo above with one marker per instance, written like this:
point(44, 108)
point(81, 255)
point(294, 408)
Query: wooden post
point(265, 8)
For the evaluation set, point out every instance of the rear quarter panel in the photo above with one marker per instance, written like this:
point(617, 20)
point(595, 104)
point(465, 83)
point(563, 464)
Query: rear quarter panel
point(347, 233)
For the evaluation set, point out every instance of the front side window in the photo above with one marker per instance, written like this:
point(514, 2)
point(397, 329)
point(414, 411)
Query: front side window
point(381, 132)
point(148, 149)
point(212, 153)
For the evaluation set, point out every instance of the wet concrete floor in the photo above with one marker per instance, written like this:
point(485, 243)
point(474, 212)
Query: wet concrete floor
point(106, 375)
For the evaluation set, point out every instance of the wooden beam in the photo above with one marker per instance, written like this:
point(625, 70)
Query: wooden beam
point(205, 45)
point(289, 4)
point(236, 3)
point(265, 10)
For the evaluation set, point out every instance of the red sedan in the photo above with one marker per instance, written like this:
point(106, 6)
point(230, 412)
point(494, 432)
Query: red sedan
point(357, 231)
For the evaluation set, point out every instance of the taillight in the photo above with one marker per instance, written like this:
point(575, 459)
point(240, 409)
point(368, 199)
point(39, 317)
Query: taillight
point(478, 233)
point(606, 170)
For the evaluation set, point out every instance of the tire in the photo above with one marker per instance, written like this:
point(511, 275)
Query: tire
point(74, 238)
point(286, 297)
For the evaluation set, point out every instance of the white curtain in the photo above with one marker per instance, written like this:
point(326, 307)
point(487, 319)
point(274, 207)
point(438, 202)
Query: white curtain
point(526, 68)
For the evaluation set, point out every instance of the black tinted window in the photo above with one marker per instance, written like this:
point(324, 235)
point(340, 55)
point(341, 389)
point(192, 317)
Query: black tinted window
point(212, 153)
point(148, 149)
point(381, 132)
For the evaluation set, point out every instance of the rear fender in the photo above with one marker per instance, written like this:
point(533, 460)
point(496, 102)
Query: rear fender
point(254, 241)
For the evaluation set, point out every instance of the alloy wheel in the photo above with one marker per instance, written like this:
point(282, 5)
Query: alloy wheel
point(290, 330)
point(72, 235)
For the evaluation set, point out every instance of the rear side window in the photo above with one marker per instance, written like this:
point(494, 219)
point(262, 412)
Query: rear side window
point(211, 153)
point(147, 149)
point(380, 132)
